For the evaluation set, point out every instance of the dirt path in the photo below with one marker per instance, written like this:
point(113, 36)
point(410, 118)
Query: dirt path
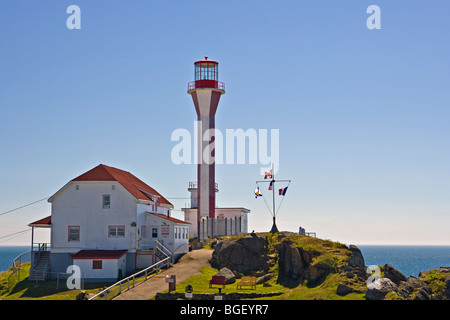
point(189, 265)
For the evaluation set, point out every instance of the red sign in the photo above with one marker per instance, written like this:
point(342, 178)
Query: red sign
point(165, 231)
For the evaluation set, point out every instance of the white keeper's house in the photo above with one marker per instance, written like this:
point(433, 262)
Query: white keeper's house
point(109, 223)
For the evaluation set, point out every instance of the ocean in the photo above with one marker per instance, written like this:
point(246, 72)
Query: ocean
point(9, 253)
point(409, 260)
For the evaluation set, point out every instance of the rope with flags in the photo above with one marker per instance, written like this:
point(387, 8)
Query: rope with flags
point(259, 194)
point(281, 192)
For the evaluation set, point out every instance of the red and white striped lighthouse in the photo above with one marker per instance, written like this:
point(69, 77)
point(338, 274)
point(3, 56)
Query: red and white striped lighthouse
point(206, 91)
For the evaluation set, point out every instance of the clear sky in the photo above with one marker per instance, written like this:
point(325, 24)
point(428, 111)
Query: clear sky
point(363, 115)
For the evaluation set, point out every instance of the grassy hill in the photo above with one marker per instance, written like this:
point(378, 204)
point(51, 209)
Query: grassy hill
point(325, 254)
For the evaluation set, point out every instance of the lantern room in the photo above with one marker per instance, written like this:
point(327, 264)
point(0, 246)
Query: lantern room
point(206, 75)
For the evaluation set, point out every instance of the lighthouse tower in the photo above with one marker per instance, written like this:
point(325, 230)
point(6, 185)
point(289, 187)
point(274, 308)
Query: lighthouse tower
point(206, 91)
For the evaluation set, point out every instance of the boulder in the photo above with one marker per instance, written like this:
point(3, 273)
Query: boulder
point(422, 294)
point(291, 264)
point(414, 288)
point(414, 283)
point(245, 255)
point(378, 289)
point(343, 289)
point(356, 258)
point(393, 274)
point(264, 278)
point(228, 274)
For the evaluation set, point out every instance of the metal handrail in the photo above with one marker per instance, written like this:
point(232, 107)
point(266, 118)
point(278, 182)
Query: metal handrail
point(220, 86)
point(163, 248)
point(194, 185)
point(119, 283)
point(127, 279)
point(19, 258)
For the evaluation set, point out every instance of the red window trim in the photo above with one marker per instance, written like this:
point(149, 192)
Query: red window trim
point(97, 267)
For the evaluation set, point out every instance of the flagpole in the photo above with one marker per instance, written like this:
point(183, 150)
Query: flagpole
point(274, 226)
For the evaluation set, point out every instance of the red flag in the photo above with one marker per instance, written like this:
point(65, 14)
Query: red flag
point(268, 174)
point(271, 185)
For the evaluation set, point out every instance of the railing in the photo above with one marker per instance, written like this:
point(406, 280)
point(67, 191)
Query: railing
point(194, 185)
point(117, 287)
point(207, 84)
point(40, 247)
point(164, 251)
point(17, 267)
point(21, 258)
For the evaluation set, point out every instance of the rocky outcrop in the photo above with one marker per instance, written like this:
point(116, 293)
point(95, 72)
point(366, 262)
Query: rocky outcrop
point(244, 255)
point(298, 264)
point(356, 259)
point(414, 289)
point(393, 274)
point(290, 262)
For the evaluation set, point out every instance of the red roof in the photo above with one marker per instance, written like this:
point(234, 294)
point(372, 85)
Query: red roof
point(99, 254)
point(136, 187)
point(169, 218)
point(45, 221)
point(206, 60)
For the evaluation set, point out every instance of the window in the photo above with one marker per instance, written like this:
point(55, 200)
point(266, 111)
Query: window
point(116, 231)
point(154, 232)
point(106, 201)
point(74, 233)
point(97, 264)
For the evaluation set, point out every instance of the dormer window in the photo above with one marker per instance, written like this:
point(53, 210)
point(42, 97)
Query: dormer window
point(106, 201)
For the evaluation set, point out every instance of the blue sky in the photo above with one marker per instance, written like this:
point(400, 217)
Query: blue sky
point(363, 114)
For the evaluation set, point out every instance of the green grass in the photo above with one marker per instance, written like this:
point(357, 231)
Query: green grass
point(326, 291)
point(42, 290)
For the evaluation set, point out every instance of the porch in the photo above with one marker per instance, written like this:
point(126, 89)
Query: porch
point(40, 252)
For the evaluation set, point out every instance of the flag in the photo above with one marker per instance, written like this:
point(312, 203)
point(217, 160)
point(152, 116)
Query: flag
point(271, 185)
point(257, 193)
point(268, 174)
point(282, 191)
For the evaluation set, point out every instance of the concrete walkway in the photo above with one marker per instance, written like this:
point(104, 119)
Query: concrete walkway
point(189, 265)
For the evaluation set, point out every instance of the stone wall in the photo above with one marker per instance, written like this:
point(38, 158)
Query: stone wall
point(210, 296)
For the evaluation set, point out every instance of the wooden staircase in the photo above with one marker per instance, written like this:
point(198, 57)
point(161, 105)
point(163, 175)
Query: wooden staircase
point(41, 266)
